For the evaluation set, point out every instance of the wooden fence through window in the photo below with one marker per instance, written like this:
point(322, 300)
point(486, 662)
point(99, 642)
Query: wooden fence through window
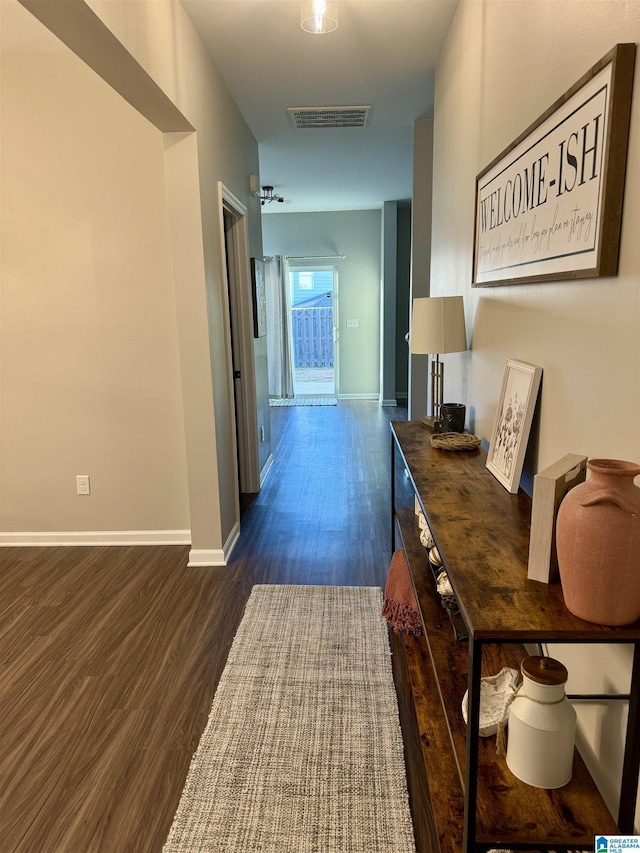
point(312, 337)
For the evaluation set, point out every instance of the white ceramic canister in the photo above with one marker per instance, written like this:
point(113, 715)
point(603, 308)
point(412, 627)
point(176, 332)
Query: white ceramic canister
point(542, 726)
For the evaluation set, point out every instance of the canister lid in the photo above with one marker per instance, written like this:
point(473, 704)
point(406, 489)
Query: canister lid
point(544, 670)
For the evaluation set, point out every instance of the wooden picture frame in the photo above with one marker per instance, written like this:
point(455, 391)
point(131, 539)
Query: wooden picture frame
point(549, 488)
point(259, 298)
point(549, 207)
point(512, 423)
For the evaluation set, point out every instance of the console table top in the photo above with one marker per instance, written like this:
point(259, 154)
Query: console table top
point(482, 532)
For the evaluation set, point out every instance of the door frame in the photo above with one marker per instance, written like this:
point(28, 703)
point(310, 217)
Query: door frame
point(336, 331)
point(238, 309)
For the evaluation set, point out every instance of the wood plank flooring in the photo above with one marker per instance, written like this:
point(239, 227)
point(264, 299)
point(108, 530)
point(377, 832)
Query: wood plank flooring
point(109, 657)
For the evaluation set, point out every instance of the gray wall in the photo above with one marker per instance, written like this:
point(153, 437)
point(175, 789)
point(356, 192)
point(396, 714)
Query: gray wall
point(403, 294)
point(420, 251)
point(132, 270)
point(503, 65)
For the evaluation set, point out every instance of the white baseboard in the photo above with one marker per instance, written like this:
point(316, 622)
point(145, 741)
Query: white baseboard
point(393, 402)
point(374, 395)
point(206, 557)
point(95, 538)
point(215, 556)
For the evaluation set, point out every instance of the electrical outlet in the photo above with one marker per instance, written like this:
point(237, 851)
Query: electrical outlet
point(83, 484)
point(352, 324)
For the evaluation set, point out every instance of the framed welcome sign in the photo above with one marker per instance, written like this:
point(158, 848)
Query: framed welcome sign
point(550, 206)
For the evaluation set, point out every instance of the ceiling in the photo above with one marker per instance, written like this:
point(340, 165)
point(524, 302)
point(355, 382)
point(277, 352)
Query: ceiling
point(382, 54)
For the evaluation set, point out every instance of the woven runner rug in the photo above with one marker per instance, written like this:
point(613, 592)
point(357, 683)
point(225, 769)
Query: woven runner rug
point(302, 752)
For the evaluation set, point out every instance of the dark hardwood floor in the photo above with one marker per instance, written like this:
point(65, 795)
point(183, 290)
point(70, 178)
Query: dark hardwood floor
point(109, 657)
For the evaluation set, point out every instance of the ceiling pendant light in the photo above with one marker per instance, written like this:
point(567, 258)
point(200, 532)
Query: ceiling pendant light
point(319, 16)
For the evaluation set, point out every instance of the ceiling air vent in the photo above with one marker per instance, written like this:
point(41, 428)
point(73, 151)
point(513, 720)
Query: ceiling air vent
point(305, 118)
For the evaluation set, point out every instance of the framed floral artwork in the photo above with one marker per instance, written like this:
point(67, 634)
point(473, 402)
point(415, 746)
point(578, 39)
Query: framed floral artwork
point(512, 424)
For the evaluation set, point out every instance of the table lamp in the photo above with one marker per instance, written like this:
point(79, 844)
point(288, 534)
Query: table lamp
point(437, 326)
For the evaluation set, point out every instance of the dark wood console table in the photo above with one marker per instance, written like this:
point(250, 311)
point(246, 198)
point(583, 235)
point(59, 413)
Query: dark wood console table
point(482, 533)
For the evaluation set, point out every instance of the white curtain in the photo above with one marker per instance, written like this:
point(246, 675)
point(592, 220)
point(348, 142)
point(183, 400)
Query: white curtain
point(279, 340)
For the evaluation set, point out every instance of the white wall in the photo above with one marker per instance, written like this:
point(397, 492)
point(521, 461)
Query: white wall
point(503, 64)
point(355, 234)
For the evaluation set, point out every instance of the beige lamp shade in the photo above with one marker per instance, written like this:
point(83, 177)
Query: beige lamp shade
point(437, 325)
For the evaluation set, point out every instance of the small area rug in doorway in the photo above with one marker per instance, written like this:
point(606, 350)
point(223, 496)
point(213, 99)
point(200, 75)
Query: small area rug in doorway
point(302, 752)
point(304, 401)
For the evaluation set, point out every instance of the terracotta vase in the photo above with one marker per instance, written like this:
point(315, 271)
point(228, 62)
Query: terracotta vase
point(598, 544)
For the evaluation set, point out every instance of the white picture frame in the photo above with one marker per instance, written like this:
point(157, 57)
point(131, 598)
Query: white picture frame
point(510, 434)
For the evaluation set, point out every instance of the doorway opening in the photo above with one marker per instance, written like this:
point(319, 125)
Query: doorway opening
point(242, 421)
point(228, 221)
point(314, 325)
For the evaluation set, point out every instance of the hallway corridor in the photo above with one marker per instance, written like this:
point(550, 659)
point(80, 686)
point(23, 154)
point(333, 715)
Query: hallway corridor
point(111, 656)
point(323, 514)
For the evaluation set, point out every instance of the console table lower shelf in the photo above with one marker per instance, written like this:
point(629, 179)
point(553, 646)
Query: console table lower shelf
point(509, 813)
